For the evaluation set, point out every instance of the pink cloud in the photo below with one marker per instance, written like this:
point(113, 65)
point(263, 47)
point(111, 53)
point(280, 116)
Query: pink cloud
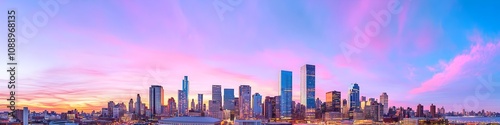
point(458, 66)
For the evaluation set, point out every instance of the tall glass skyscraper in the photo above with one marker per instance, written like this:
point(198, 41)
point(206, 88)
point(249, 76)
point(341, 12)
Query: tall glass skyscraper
point(308, 90)
point(257, 104)
point(138, 105)
point(185, 88)
point(229, 99)
point(285, 85)
point(354, 102)
point(245, 101)
point(183, 105)
point(155, 99)
point(199, 107)
point(217, 95)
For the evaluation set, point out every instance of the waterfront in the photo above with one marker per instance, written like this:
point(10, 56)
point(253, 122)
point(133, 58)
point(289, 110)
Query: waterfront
point(459, 119)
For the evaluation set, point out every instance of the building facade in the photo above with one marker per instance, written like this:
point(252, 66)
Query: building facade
point(308, 89)
point(285, 85)
point(384, 100)
point(333, 101)
point(228, 99)
point(217, 95)
point(245, 101)
point(257, 105)
point(156, 99)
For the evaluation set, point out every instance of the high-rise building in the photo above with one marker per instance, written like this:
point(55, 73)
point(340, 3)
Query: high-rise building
point(155, 99)
point(256, 105)
point(137, 106)
point(308, 89)
point(354, 102)
point(433, 110)
point(285, 84)
point(420, 111)
point(268, 107)
point(333, 103)
point(345, 108)
point(200, 102)
point(237, 107)
point(384, 100)
point(26, 112)
point(172, 107)
point(217, 95)
point(185, 89)
point(183, 108)
point(111, 105)
point(192, 104)
point(363, 98)
point(131, 106)
point(318, 103)
point(277, 107)
point(214, 109)
point(228, 99)
point(245, 101)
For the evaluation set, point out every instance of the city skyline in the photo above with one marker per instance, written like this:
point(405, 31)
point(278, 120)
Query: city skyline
point(422, 56)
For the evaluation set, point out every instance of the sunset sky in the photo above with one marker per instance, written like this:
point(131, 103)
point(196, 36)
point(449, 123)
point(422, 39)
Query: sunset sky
point(90, 52)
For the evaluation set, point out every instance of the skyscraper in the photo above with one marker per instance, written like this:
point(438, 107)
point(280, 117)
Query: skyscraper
point(333, 103)
point(345, 108)
point(354, 102)
point(433, 110)
point(137, 106)
point(308, 89)
point(217, 95)
point(185, 89)
point(200, 102)
point(268, 107)
point(229, 99)
point(26, 113)
point(245, 101)
point(285, 84)
point(257, 103)
point(183, 105)
point(131, 106)
point(420, 111)
point(155, 99)
point(384, 100)
point(172, 108)
point(192, 104)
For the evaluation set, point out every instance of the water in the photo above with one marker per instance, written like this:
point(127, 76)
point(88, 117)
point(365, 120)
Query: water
point(473, 119)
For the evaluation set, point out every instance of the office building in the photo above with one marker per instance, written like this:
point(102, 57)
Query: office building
point(137, 106)
point(308, 89)
point(354, 102)
point(384, 100)
point(257, 105)
point(183, 108)
point(217, 95)
point(156, 99)
point(199, 107)
point(420, 111)
point(333, 101)
point(229, 99)
point(285, 92)
point(245, 101)
point(185, 99)
point(433, 111)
